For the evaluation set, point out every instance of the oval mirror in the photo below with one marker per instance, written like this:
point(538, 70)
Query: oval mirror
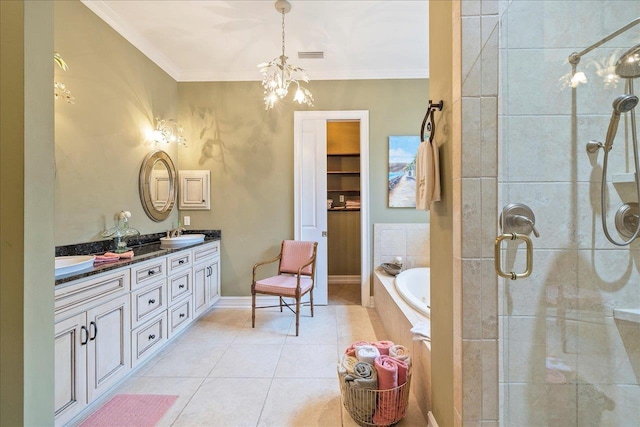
point(157, 185)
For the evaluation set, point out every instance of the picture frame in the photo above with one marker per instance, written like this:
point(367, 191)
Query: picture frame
point(402, 167)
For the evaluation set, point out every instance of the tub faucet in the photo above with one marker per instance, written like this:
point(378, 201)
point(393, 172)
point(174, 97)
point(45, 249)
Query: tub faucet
point(175, 232)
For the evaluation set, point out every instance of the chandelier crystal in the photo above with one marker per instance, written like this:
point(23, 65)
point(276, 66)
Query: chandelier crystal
point(278, 75)
point(168, 131)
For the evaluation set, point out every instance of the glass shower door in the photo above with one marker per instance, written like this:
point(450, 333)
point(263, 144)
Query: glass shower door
point(570, 352)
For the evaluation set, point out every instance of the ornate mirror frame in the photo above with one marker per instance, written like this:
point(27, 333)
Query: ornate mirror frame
point(144, 185)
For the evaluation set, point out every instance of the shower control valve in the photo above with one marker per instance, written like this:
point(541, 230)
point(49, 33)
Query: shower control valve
point(518, 218)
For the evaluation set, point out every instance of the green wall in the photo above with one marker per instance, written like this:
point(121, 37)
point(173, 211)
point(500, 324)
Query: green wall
point(250, 154)
point(101, 140)
point(26, 214)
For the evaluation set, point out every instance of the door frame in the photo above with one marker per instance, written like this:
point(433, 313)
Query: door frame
point(365, 249)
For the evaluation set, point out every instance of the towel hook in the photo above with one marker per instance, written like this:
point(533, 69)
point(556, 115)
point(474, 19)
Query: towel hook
point(429, 121)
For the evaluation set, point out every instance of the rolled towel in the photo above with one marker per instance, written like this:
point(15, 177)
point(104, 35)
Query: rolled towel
point(400, 352)
point(346, 364)
point(351, 350)
point(360, 399)
point(367, 353)
point(127, 255)
point(383, 346)
point(391, 374)
point(421, 331)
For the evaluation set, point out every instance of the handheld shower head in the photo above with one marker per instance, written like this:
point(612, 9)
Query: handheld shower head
point(628, 65)
point(622, 104)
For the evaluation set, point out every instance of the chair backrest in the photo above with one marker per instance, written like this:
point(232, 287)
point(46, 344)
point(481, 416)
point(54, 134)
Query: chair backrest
point(296, 253)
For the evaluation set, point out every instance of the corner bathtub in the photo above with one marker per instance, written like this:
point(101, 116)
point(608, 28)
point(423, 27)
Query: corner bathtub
point(413, 285)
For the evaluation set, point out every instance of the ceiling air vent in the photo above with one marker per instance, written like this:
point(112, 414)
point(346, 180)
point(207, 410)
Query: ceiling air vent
point(310, 55)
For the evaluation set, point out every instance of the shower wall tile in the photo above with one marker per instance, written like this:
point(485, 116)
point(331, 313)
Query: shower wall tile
point(606, 356)
point(541, 149)
point(489, 218)
point(472, 299)
point(471, 58)
point(546, 22)
point(489, 135)
point(471, 156)
point(471, 218)
point(542, 405)
point(490, 380)
point(489, 7)
point(489, 300)
point(553, 284)
point(489, 56)
point(533, 77)
point(608, 280)
point(608, 405)
point(555, 221)
point(472, 380)
point(470, 7)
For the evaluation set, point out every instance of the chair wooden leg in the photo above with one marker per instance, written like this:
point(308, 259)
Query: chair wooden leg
point(297, 315)
point(311, 300)
point(253, 310)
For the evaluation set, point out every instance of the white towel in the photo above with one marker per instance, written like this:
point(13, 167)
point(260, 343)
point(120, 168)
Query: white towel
point(367, 353)
point(421, 331)
point(427, 175)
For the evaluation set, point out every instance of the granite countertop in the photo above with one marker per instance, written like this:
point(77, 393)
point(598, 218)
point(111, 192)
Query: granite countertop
point(145, 248)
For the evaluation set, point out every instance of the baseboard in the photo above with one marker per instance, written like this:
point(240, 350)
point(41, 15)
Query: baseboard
point(431, 420)
point(347, 280)
point(245, 302)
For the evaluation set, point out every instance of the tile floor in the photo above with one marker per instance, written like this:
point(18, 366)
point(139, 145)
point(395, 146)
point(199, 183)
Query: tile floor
point(229, 374)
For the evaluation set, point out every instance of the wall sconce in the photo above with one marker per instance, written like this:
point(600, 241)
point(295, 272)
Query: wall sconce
point(60, 90)
point(168, 131)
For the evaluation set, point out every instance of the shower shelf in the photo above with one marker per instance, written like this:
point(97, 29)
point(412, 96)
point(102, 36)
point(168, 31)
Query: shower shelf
point(628, 314)
point(620, 178)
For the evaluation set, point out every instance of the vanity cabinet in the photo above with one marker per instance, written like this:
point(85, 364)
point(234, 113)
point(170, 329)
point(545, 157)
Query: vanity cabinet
point(92, 350)
point(206, 277)
point(111, 322)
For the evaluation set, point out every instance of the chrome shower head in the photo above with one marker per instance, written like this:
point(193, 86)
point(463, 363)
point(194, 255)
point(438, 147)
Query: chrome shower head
point(628, 65)
point(625, 103)
point(621, 105)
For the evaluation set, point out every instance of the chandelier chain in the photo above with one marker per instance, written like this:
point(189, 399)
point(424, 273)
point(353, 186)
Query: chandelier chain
point(283, 31)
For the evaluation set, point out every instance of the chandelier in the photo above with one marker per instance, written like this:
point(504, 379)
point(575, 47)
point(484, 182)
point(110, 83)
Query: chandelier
point(278, 75)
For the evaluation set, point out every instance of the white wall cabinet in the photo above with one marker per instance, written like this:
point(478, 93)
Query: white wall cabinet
point(113, 321)
point(194, 193)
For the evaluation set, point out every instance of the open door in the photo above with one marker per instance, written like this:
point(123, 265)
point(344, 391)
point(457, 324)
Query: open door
point(310, 188)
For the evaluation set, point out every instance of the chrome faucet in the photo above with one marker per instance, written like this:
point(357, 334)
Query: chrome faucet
point(175, 232)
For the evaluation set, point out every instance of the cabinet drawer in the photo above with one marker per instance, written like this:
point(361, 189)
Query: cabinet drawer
point(148, 301)
point(179, 286)
point(148, 338)
point(180, 316)
point(83, 294)
point(147, 272)
point(206, 251)
point(179, 261)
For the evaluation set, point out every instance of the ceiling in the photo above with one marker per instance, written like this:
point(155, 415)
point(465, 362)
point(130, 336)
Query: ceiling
point(209, 40)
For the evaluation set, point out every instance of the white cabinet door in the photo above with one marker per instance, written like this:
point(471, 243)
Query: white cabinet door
point(70, 359)
point(213, 281)
point(109, 347)
point(200, 288)
point(194, 189)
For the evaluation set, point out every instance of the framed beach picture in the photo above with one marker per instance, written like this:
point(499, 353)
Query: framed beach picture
point(402, 168)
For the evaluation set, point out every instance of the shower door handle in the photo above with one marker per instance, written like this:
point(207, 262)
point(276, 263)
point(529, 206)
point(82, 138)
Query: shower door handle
point(498, 261)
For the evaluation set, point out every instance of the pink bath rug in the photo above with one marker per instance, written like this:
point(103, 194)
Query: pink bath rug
point(131, 410)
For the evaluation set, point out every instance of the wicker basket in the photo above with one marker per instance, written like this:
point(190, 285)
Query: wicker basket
point(362, 404)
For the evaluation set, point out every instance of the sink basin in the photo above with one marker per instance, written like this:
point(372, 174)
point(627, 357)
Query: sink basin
point(179, 241)
point(70, 264)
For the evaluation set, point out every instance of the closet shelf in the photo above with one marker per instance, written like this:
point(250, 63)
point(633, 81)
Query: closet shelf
point(343, 154)
point(342, 209)
point(343, 190)
point(344, 172)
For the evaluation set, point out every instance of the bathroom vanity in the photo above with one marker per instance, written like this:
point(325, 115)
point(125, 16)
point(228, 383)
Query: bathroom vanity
point(110, 319)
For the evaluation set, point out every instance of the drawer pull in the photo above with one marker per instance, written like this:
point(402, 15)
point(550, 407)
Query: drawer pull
point(181, 286)
point(151, 272)
point(85, 340)
point(152, 337)
point(93, 325)
point(182, 315)
point(181, 261)
point(152, 301)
